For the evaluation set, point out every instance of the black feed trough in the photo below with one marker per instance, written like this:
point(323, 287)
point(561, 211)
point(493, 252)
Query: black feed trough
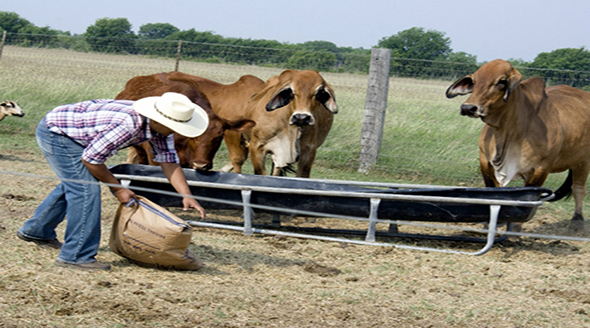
point(420, 203)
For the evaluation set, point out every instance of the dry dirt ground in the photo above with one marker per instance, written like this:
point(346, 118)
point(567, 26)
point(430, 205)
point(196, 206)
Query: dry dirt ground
point(267, 281)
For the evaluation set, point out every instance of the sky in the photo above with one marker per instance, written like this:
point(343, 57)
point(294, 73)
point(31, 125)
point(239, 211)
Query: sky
point(491, 29)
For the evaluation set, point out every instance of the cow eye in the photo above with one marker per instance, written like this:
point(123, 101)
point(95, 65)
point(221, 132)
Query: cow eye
point(322, 96)
point(502, 84)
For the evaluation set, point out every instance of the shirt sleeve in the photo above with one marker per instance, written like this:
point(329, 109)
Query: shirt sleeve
point(164, 151)
point(106, 144)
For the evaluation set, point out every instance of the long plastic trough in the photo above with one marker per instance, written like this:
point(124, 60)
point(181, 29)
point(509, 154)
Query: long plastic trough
point(376, 202)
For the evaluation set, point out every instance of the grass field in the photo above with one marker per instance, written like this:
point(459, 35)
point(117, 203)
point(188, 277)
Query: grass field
point(274, 281)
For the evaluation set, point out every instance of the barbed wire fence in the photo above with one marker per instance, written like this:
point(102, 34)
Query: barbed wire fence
point(354, 61)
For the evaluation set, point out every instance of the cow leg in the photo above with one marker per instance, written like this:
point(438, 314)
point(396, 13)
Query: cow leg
point(306, 158)
point(237, 150)
point(257, 158)
point(580, 176)
point(487, 172)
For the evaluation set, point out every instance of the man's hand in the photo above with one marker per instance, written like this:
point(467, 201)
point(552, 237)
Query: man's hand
point(124, 195)
point(188, 202)
point(175, 175)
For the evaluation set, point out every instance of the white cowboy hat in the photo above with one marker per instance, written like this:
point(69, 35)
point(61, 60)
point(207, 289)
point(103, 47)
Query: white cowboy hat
point(175, 111)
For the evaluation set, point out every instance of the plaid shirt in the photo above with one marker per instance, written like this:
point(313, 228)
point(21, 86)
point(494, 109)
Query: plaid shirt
point(105, 126)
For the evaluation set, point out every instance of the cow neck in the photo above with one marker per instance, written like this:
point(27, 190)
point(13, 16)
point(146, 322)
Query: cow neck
point(507, 127)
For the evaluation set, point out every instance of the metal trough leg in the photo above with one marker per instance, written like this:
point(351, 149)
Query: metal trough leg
point(373, 220)
point(246, 195)
point(494, 213)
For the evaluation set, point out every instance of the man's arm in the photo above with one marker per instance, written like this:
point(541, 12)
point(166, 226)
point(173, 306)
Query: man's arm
point(103, 174)
point(176, 177)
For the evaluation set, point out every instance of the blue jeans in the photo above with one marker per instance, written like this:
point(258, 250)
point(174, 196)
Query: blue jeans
point(78, 202)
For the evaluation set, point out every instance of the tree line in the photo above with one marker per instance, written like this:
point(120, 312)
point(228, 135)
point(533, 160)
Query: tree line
point(416, 52)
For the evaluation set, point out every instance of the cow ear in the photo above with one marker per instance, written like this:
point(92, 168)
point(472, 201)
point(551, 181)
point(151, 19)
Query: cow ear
point(327, 99)
point(513, 81)
point(280, 99)
point(461, 87)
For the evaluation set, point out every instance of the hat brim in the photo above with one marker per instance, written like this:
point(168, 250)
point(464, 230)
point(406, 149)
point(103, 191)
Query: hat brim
point(193, 128)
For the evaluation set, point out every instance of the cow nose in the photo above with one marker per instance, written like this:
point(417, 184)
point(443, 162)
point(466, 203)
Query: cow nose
point(302, 119)
point(468, 109)
point(201, 166)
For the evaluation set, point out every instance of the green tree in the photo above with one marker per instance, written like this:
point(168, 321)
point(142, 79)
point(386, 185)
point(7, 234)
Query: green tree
point(416, 43)
point(156, 30)
point(39, 36)
point(457, 64)
point(319, 46)
point(194, 36)
point(566, 58)
point(111, 35)
point(317, 60)
point(12, 22)
point(518, 62)
point(563, 66)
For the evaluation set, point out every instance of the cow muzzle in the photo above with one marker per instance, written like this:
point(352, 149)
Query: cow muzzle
point(302, 119)
point(471, 110)
point(201, 166)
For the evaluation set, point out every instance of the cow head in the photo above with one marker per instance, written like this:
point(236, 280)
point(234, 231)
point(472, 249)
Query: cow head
point(303, 90)
point(10, 108)
point(490, 86)
point(198, 153)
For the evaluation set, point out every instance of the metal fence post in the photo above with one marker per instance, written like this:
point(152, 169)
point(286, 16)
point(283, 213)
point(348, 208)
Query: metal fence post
point(375, 106)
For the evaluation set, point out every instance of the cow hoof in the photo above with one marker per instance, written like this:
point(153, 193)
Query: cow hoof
point(577, 223)
point(576, 226)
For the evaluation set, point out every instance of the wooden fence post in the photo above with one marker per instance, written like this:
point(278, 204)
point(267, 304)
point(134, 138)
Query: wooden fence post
point(178, 55)
point(375, 106)
point(2, 43)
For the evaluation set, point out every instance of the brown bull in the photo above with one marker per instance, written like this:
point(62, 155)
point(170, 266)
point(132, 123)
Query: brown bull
point(530, 131)
point(293, 114)
point(196, 153)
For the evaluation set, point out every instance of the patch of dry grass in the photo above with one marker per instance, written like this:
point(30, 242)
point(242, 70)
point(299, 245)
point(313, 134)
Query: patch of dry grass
point(268, 281)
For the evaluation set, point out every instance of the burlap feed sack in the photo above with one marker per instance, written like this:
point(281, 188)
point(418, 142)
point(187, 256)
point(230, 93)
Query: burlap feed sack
point(148, 234)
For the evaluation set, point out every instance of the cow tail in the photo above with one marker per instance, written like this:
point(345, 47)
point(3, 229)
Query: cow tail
point(565, 191)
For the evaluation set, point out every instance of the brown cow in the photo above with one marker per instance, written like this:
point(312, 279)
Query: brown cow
point(196, 153)
point(10, 108)
point(530, 130)
point(228, 101)
point(293, 114)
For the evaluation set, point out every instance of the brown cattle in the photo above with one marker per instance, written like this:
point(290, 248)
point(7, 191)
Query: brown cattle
point(196, 153)
point(10, 108)
point(530, 131)
point(293, 114)
point(228, 101)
